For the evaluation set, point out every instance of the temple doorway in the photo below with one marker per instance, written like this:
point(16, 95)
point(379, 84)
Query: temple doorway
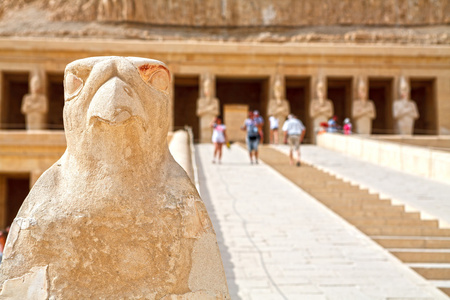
point(186, 93)
point(380, 92)
point(246, 91)
point(298, 94)
point(14, 190)
point(15, 87)
point(339, 91)
point(55, 101)
point(422, 92)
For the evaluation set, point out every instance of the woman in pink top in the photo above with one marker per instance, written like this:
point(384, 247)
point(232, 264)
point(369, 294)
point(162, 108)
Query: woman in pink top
point(219, 137)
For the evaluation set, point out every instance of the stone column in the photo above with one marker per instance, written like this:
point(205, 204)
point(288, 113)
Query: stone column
point(321, 108)
point(35, 104)
point(363, 110)
point(208, 106)
point(278, 104)
point(3, 201)
point(2, 113)
point(404, 110)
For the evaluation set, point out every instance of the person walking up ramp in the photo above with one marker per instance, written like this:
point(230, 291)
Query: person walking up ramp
point(294, 132)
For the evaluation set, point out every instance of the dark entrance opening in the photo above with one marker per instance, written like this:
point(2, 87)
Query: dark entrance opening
point(380, 92)
point(298, 94)
point(249, 91)
point(55, 101)
point(15, 87)
point(186, 93)
point(422, 92)
point(17, 187)
point(339, 91)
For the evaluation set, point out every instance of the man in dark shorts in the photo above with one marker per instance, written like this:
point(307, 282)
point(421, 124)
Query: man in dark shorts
point(252, 138)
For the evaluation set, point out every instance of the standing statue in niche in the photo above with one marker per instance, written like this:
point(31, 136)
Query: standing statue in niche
point(207, 107)
point(115, 216)
point(35, 104)
point(404, 110)
point(279, 107)
point(363, 111)
point(321, 109)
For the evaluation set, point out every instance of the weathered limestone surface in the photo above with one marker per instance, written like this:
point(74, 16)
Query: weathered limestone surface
point(249, 12)
point(404, 110)
point(116, 215)
point(310, 21)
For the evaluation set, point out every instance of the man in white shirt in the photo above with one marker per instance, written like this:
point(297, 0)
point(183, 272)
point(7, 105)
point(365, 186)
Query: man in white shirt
point(294, 132)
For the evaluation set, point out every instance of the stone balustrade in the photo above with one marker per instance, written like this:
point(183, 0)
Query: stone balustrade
point(418, 160)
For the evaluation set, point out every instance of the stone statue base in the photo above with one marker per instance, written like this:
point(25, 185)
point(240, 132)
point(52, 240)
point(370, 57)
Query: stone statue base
point(35, 121)
point(205, 130)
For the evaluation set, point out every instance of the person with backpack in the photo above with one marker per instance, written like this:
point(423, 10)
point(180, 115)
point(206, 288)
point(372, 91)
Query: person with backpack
point(252, 138)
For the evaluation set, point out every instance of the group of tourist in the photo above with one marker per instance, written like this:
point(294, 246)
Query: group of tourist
point(293, 134)
point(332, 126)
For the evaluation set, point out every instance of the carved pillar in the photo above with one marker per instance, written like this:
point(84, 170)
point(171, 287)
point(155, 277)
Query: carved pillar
point(35, 104)
point(208, 106)
point(404, 109)
point(363, 109)
point(2, 112)
point(278, 104)
point(3, 206)
point(320, 108)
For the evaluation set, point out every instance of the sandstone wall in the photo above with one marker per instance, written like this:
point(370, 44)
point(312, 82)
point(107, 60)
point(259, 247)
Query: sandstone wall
point(246, 12)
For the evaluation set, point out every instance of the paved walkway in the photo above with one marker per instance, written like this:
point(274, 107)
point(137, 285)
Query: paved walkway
point(428, 196)
point(279, 243)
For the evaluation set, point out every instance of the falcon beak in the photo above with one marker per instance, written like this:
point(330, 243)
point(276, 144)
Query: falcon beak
point(114, 103)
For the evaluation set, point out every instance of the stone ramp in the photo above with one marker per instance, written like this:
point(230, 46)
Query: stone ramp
point(429, 197)
point(404, 234)
point(278, 242)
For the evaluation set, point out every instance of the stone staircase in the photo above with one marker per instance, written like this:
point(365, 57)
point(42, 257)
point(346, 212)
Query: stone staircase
point(421, 244)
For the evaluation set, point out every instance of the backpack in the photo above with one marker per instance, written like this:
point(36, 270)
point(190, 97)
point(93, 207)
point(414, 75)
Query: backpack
point(252, 131)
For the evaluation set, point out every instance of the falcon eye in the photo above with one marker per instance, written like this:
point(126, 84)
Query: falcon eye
point(72, 86)
point(156, 76)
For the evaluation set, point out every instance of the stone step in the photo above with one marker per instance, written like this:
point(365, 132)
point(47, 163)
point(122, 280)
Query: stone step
point(404, 230)
point(380, 213)
point(333, 189)
point(358, 221)
point(356, 202)
point(443, 285)
point(432, 271)
point(413, 242)
point(421, 255)
point(341, 194)
point(379, 208)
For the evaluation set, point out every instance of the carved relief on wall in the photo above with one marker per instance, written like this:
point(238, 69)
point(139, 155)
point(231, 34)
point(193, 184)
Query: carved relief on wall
point(207, 104)
point(278, 106)
point(404, 110)
point(363, 110)
point(35, 104)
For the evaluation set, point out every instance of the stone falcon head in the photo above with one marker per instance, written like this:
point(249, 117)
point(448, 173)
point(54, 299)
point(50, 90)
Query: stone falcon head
point(118, 103)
